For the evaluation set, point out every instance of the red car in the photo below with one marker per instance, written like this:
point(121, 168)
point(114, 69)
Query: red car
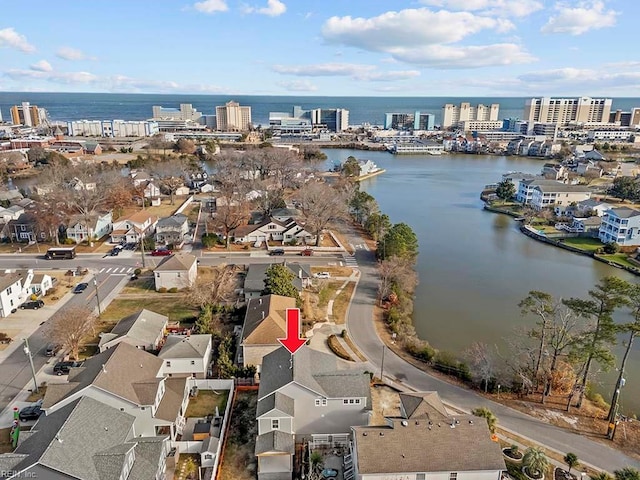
point(161, 252)
point(306, 252)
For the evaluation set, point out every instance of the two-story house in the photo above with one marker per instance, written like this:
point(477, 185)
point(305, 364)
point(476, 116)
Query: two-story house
point(179, 270)
point(186, 355)
point(144, 329)
point(620, 225)
point(172, 229)
point(132, 381)
point(94, 226)
point(11, 285)
point(308, 396)
point(86, 440)
point(134, 227)
point(558, 195)
point(264, 323)
point(151, 190)
point(257, 273)
point(425, 442)
point(273, 229)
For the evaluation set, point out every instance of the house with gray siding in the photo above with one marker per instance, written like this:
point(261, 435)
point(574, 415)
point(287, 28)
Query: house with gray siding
point(257, 273)
point(144, 329)
point(305, 397)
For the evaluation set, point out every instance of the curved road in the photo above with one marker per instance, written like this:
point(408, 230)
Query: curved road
point(362, 331)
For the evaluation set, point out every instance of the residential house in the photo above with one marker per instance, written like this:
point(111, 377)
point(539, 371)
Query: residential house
point(151, 190)
point(552, 171)
point(40, 285)
point(526, 187)
point(132, 228)
point(558, 195)
point(284, 214)
point(10, 213)
point(10, 195)
point(26, 229)
point(620, 225)
point(11, 296)
point(140, 178)
point(86, 440)
point(273, 230)
point(534, 149)
point(307, 397)
point(517, 177)
point(257, 273)
point(182, 191)
point(93, 148)
point(92, 227)
point(420, 444)
point(186, 355)
point(132, 381)
point(589, 167)
point(76, 184)
point(592, 206)
point(172, 229)
point(590, 225)
point(264, 323)
point(144, 330)
point(594, 155)
point(179, 270)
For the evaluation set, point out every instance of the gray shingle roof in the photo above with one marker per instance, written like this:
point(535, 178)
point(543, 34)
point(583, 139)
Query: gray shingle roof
point(561, 187)
point(180, 346)
point(274, 441)
point(277, 401)
point(623, 212)
point(178, 262)
point(144, 326)
point(174, 221)
point(171, 402)
point(8, 279)
point(412, 445)
point(256, 274)
point(148, 453)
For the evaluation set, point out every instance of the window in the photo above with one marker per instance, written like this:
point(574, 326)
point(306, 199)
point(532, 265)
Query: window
point(345, 401)
point(168, 364)
point(420, 476)
point(357, 401)
point(324, 402)
point(193, 362)
point(318, 402)
point(275, 424)
point(9, 291)
point(453, 476)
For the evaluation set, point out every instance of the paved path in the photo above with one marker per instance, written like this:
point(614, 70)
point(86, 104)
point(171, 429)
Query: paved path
point(362, 331)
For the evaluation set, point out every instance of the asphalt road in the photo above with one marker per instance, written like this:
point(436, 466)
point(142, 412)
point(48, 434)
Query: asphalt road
point(362, 331)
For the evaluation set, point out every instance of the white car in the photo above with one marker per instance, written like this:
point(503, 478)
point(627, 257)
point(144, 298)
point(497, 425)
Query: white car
point(323, 275)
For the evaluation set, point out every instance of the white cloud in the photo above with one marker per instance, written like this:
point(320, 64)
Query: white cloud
point(274, 8)
point(72, 54)
point(11, 39)
point(499, 8)
point(403, 35)
point(41, 66)
point(69, 78)
point(584, 17)
point(298, 86)
point(211, 6)
point(357, 71)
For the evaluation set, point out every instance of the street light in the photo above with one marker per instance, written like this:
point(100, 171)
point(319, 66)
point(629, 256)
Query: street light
point(27, 352)
point(95, 285)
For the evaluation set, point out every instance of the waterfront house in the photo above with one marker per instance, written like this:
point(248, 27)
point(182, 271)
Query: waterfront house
point(552, 171)
point(310, 397)
point(592, 206)
point(420, 443)
point(186, 355)
point(620, 225)
point(172, 229)
point(558, 195)
point(133, 227)
point(526, 187)
point(179, 270)
point(589, 167)
point(89, 228)
point(144, 330)
point(264, 323)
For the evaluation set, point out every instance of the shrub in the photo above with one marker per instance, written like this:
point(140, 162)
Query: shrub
point(173, 290)
point(445, 362)
point(68, 241)
point(610, 248)
point(419, 349)
point(162, 290)
point(33, 297)
point(336, 347)
point(137, 271)
point(343, 334)
point(246, 247)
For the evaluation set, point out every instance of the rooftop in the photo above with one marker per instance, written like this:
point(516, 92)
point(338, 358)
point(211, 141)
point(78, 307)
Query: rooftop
point(145, 326)
point(176, 262)
point(190, 346)
point(265, 320)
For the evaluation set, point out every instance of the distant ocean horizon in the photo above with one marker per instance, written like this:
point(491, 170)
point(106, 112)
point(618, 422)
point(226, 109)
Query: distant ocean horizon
point(136, 106)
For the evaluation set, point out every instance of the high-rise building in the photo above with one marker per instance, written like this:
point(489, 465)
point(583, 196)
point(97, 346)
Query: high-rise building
point(185, 112)
point(333, 119)
point(452, 115)
point(231, 117)
point(625, 119)
point(563, 111)
point(28, 115)
point(409, 121)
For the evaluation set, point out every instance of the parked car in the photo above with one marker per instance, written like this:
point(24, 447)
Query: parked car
point(34, 305)
point(307, 252)
point(276, 251)
point(161, 252)
point(32, 412)
point(114, 252)
point(81, 287)
point(52, 349)
point(323, 275)
point(62, 368)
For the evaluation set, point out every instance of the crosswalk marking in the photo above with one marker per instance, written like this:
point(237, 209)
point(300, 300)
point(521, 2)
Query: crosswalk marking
point(350, 261)
point(116, 270)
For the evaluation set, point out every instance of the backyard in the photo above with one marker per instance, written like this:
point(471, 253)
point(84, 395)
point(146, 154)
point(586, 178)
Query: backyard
point(587, 244)
point(205, 403)
point(238, 459)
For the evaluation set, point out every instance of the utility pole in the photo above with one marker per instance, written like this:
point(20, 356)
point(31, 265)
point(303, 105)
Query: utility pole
point(142, 247)
point(95, 285)
point(33, 370)
point(382, 364)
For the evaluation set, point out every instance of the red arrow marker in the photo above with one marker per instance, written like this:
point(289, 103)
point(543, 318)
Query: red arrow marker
point(293, 342)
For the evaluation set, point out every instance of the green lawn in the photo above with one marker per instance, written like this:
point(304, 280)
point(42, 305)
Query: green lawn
point(584, 243)
point(620, 259)
point(205, 403)
point(174, 308)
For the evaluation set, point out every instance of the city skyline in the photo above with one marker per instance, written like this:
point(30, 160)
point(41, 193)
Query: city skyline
point(357, 48)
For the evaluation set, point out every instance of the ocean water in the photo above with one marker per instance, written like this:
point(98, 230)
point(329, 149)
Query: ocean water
point(109, 106)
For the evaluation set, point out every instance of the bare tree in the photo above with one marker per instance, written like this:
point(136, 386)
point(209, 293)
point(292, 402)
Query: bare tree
point(171, 174)
point(540, 304)
point(70, 326)
point(320, 205)
point(481, 362)
point(216, 288)
point(563, 333)
point(396, 271)
point(232, 206)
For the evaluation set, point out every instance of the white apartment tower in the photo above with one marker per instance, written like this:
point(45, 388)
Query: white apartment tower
point(28, 115)
point(186, 112)
point(452, 115)
point(232, 117)
point(563, 111)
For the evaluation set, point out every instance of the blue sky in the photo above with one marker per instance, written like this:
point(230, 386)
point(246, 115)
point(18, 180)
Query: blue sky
point(322, 47)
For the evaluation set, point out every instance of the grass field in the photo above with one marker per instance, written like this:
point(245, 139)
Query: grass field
point(205, 403)
point(620, 259)
point(583, 243)
point(174, 308)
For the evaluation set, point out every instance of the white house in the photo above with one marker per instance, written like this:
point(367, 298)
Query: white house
point(274, 230)
point(179, 270)
point(93, 227)
point(186, 355)
point(182, 191)
point(134, 227)
point(144, 330)
point(172, 229)
point(425, 442)
point(40, 284)
point(558, 195)
point(11, 296)
point(11, 213)
point(620, 225)
point(151, 190)
point(592, 205)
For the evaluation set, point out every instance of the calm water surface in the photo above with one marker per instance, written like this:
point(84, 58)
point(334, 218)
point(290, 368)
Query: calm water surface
point(475, 266)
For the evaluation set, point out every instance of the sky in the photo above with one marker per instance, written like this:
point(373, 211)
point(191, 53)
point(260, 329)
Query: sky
point(322, 47)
